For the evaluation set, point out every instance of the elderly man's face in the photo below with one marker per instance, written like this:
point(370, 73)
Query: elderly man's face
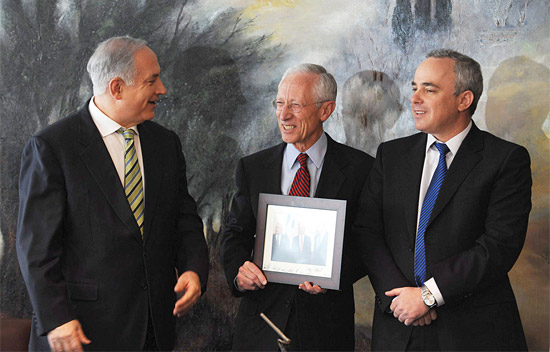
point(139, 100)
point(304, 127)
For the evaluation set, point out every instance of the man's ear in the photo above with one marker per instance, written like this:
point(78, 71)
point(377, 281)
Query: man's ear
point(465, 99)
point(327, 108)
point(115, 88)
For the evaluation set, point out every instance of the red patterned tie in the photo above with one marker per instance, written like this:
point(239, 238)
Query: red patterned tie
point(300, 185)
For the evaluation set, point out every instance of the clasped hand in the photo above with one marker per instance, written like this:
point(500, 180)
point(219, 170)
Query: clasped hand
point(251, 278)
point(409, 308)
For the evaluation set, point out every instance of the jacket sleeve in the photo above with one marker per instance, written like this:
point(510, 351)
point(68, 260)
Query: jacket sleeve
point(368, 228)
point(505, 226)
point(40, 233)
point(237, 241)
point(193, 251)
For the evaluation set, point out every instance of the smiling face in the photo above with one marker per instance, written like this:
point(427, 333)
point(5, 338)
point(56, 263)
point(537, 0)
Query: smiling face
point(435, 107)
point(137, 102)
point(302, 129)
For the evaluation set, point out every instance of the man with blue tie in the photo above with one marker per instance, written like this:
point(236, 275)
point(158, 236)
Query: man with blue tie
point(443, 219)
point(309, 164)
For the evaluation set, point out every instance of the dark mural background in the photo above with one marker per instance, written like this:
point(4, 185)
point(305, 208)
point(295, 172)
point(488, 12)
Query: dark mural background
point(221, 65)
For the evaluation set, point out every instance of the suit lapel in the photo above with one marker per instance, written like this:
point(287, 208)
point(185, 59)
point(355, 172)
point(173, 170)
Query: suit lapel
point(268, 178)
point(466, 158)
point(411, 175)
point(95, 156)
point(153, 164)
point(332, 177)
point(272, 170)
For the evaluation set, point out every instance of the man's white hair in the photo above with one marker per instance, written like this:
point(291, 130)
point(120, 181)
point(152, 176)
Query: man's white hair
point(112, 58)
point(325, 89)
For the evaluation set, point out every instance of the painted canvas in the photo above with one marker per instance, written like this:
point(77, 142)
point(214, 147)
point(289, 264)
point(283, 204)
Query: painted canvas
point(221, 65)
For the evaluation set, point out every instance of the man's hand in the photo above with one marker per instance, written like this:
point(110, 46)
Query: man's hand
point(190, 285)
point(312, 289)
point(250, 277)
point(67, 337)
point(407, 305)
point(427, 318)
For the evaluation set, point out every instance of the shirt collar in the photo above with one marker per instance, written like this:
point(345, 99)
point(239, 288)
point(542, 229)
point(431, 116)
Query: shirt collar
point(316, 152)
point(104, 123)
point(454, 143)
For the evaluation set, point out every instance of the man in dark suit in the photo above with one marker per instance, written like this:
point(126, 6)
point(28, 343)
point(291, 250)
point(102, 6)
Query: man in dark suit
point(281, 251)
point(106, 223)
point(314, 318)
point(301, 246)
point(438, 249)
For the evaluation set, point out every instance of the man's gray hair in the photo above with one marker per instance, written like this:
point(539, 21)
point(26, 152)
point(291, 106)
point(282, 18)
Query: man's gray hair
point(467, 74)
point(325, 89)
point(112, 58)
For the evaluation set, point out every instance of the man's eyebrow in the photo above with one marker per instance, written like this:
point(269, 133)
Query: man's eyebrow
point(426, 84)
point(153, 76)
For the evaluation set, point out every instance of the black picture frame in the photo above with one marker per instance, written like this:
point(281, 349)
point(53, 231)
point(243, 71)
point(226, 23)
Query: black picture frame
point(300, 239)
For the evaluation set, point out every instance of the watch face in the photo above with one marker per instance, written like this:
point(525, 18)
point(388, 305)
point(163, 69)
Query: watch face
point(429, 299)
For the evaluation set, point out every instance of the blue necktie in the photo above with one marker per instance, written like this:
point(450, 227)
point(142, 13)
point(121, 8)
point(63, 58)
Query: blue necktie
point(427, 207)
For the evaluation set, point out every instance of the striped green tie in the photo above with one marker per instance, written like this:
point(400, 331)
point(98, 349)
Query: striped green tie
point(133, 185)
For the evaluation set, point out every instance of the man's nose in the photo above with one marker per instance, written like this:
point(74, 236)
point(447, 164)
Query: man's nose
point(161, 89)
point(416, 98)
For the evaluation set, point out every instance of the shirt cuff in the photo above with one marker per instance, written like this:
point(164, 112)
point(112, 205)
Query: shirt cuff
point(432, 286)
point(237, 286)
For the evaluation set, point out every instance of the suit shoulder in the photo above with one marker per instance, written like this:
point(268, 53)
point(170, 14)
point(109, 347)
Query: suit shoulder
point(401, 145)
point(404, 142)
point(156, 128)
point(60, 127)
point(493, 142)
point(352, 153)
point(262, 155)
point(162, 136)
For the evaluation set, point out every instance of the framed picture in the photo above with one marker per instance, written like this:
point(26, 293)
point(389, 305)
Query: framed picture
point(300, 239)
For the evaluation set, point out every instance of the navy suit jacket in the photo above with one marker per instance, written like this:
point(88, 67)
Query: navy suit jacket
point(473, 238)
point(325, 321)
point(79, 247)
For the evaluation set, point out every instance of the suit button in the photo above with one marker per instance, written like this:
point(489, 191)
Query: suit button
point(143, 285)
point(410, 249)
point(288, 303)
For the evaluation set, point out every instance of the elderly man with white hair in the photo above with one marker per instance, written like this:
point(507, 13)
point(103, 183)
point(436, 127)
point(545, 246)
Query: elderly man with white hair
point(307, 163)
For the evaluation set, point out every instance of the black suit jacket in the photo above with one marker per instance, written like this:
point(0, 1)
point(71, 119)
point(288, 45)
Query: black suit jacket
point(79, 246)
point(474, 236)
point(325, 321)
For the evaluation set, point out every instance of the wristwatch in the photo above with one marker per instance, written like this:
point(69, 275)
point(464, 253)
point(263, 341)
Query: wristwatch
point(428, 297)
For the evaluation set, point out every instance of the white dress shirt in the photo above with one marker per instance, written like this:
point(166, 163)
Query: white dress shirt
point(430, 164)
point(114, 141)
point(316, 157)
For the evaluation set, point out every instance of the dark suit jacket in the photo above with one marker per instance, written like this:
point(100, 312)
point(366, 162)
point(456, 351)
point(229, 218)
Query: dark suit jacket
point(474, 236)
point(325, 321)
point(79, 246)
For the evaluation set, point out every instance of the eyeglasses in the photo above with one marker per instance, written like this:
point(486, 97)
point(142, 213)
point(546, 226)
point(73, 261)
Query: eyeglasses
point(294, 107)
